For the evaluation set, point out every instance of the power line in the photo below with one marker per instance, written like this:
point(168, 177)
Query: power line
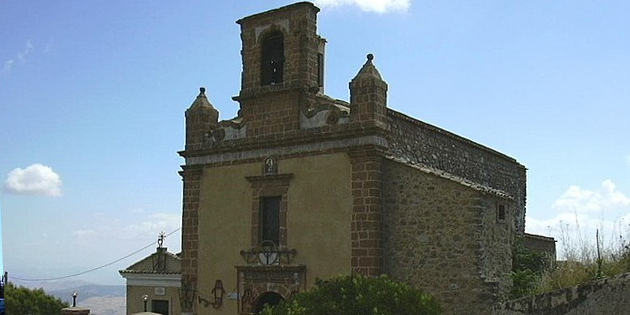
point(97, 268)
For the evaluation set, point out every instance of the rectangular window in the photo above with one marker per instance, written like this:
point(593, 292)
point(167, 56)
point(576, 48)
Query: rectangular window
point(320, 69)
point(159, 306)
point(269, 223)
point(501, 212)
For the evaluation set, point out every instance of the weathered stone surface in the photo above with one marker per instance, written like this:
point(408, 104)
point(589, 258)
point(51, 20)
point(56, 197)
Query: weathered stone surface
point(601, 297)
point(424, 144)
point(541, 244)
point(444, 238)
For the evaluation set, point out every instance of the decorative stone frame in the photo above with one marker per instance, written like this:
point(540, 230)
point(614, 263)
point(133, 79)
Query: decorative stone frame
point(269, 186)
point(254, 281)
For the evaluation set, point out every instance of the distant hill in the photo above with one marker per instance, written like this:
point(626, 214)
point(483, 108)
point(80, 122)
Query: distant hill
point(88, 291)
point(106, 305)
point(100, 299)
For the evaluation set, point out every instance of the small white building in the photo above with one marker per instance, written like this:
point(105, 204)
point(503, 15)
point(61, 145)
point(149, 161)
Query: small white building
point(154, 280)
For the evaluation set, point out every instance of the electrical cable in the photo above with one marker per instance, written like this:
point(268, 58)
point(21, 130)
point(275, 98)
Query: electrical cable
point(97, 268)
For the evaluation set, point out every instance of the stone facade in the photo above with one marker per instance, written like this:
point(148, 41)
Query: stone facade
point(445, 238)
point(417, 142)
point(300, 186)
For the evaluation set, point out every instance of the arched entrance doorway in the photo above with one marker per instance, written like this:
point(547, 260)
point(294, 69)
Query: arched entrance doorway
point(267, 298)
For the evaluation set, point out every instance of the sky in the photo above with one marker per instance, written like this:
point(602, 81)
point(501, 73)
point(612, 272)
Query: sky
point(93, 94)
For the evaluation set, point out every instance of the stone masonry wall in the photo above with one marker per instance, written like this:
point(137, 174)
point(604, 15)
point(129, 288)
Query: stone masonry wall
point(190, 236)
point(420, 143)
point(541, 244)
point(497, 240)
point(443, 238)
point(272, 113)
point(602, 297)
point(366, 225)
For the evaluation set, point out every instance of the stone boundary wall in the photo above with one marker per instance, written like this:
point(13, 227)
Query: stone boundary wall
point(601, 297)
point(417, 142)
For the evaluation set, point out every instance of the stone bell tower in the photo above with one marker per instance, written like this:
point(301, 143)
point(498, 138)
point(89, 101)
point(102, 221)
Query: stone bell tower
point(283, 65)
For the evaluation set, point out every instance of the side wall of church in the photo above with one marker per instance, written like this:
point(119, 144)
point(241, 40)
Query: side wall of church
point(420, 143)
point(319, 205)
point(444, 238)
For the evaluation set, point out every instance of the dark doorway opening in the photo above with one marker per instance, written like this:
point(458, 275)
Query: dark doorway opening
point(159, 306)
point(268, 298)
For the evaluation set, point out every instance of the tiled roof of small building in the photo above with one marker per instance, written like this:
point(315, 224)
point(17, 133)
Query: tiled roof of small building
point(139, 267)
point(127, 271)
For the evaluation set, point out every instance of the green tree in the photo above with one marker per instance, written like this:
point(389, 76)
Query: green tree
point(527, 269)
point(358, 295)
point(25, 301)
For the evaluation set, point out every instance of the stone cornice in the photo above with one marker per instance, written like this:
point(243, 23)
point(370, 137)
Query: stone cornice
point(153, 280)
point(288, 150)
point(302, 136)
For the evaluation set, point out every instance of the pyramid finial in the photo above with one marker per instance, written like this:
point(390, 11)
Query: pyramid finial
point(368, 69)
point(202, 99)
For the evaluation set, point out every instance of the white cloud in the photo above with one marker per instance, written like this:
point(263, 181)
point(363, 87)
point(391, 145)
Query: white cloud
point(35, 180)
point(113, 230)
point(8, 65)
point(156, 223)
point(576, 199)
point(378, 6)
point(579, 213)
point(138, 210)
point(20, 56)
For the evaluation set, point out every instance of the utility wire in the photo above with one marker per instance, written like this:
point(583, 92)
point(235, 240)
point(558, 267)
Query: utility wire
point(97, 268)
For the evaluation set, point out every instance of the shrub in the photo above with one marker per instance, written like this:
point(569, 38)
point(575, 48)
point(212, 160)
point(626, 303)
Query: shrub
point(21, 300)
point(583, 262)
point(527, 269)
point(358, 295)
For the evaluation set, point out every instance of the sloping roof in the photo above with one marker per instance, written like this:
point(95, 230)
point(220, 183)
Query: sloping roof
point(454, 178)
point(148, 265)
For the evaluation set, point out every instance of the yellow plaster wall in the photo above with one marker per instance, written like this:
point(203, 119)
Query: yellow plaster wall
point(318, 220)
point(135, 303)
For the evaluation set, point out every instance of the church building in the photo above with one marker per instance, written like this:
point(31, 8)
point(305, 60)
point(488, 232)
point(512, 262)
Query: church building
point(300, 186)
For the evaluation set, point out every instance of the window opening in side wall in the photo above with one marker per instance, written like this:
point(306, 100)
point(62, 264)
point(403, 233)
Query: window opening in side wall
point(320, 69)
point(272, 62)
point(501, 212)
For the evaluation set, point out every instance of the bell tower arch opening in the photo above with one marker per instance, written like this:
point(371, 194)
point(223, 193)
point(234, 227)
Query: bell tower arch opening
point(272, 58)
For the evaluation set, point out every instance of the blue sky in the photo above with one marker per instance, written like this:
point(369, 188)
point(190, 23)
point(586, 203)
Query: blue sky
point(93, 94)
